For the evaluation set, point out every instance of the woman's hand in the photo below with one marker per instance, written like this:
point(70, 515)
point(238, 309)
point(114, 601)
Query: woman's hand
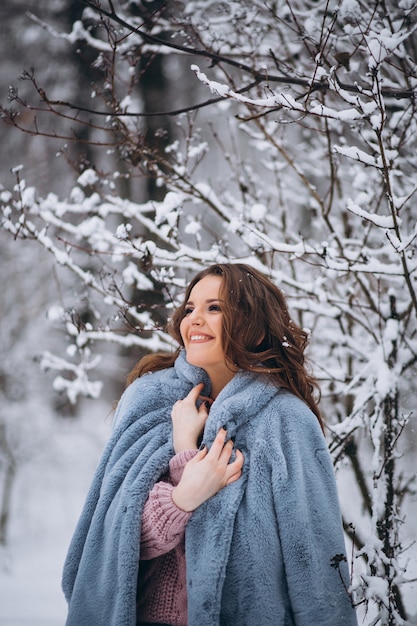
point(207, 473)
point(188, 421)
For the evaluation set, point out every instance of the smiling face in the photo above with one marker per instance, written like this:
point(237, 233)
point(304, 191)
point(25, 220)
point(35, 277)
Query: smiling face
point(202, 329)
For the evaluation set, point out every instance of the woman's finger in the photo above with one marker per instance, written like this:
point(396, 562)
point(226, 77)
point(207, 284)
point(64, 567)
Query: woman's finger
point(218, 444)
point(237, 464)
point(206, 400)
point(203, 409)
point(195, 392)
point(234, 470)
point(200, 455)
point(192, 395)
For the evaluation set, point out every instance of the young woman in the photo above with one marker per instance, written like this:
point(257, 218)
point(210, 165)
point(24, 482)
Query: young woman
point(215, 501)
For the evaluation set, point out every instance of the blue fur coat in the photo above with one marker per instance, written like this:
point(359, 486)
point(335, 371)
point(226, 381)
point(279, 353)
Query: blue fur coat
point(262, 552)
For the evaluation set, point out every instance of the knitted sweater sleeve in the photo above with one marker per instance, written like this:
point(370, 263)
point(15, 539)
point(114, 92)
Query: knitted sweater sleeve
point(163, 523)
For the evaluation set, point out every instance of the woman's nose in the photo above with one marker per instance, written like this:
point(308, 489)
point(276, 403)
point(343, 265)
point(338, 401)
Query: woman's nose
point(195, 316)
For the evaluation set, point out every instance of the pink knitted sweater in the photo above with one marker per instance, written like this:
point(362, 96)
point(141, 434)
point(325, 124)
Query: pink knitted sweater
point(162, 591)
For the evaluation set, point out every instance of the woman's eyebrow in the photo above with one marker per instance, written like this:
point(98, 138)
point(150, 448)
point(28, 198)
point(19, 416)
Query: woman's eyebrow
point(209, 301)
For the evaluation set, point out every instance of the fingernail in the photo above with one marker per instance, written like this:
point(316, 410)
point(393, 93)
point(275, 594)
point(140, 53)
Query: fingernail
point(224, 428)
point(207, 404)
point(202, 445)
point(233, 439)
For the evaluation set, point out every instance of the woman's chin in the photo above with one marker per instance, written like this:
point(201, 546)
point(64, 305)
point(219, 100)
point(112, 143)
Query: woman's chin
point(193, 360)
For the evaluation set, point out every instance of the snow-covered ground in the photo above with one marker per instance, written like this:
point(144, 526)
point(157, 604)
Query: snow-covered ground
point(47, 500)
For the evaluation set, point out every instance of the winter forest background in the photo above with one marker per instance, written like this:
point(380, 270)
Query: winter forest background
point(143, 140)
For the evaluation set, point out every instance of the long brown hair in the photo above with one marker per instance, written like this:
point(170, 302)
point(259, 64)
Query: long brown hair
point(258, 332)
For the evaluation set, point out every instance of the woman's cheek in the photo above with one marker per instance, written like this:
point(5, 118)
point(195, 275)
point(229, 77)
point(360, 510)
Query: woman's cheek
point(183, 330)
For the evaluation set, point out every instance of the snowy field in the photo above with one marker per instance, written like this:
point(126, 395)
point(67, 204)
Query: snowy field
point(48, 498)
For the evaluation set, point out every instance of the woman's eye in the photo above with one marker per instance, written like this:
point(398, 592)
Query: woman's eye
point(214, 307)
point(187, 311)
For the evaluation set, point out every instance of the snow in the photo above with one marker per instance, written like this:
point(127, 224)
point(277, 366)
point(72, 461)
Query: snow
point(132, 276)
point(350, 9)
point(357, 154)
point(34, 577)
point(17, 169)
point(93, 226)
point(285, 100)
point(258, 212)
point(382, 44)
point(123, 230)
point(126, 103)
point(88, 177)
point(45, 509)
point(55, 312)
point(193, 227)
point(28, 196)
point(382, 221)
point(197, 151)
point(384, 382)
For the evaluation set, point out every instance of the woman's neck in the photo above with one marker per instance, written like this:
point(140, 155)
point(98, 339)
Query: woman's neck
point(219, 380)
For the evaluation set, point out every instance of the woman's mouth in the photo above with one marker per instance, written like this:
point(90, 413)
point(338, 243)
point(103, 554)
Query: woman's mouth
point(197, 338)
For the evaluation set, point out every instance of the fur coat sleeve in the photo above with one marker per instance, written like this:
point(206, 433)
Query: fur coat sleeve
point(263, 551)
